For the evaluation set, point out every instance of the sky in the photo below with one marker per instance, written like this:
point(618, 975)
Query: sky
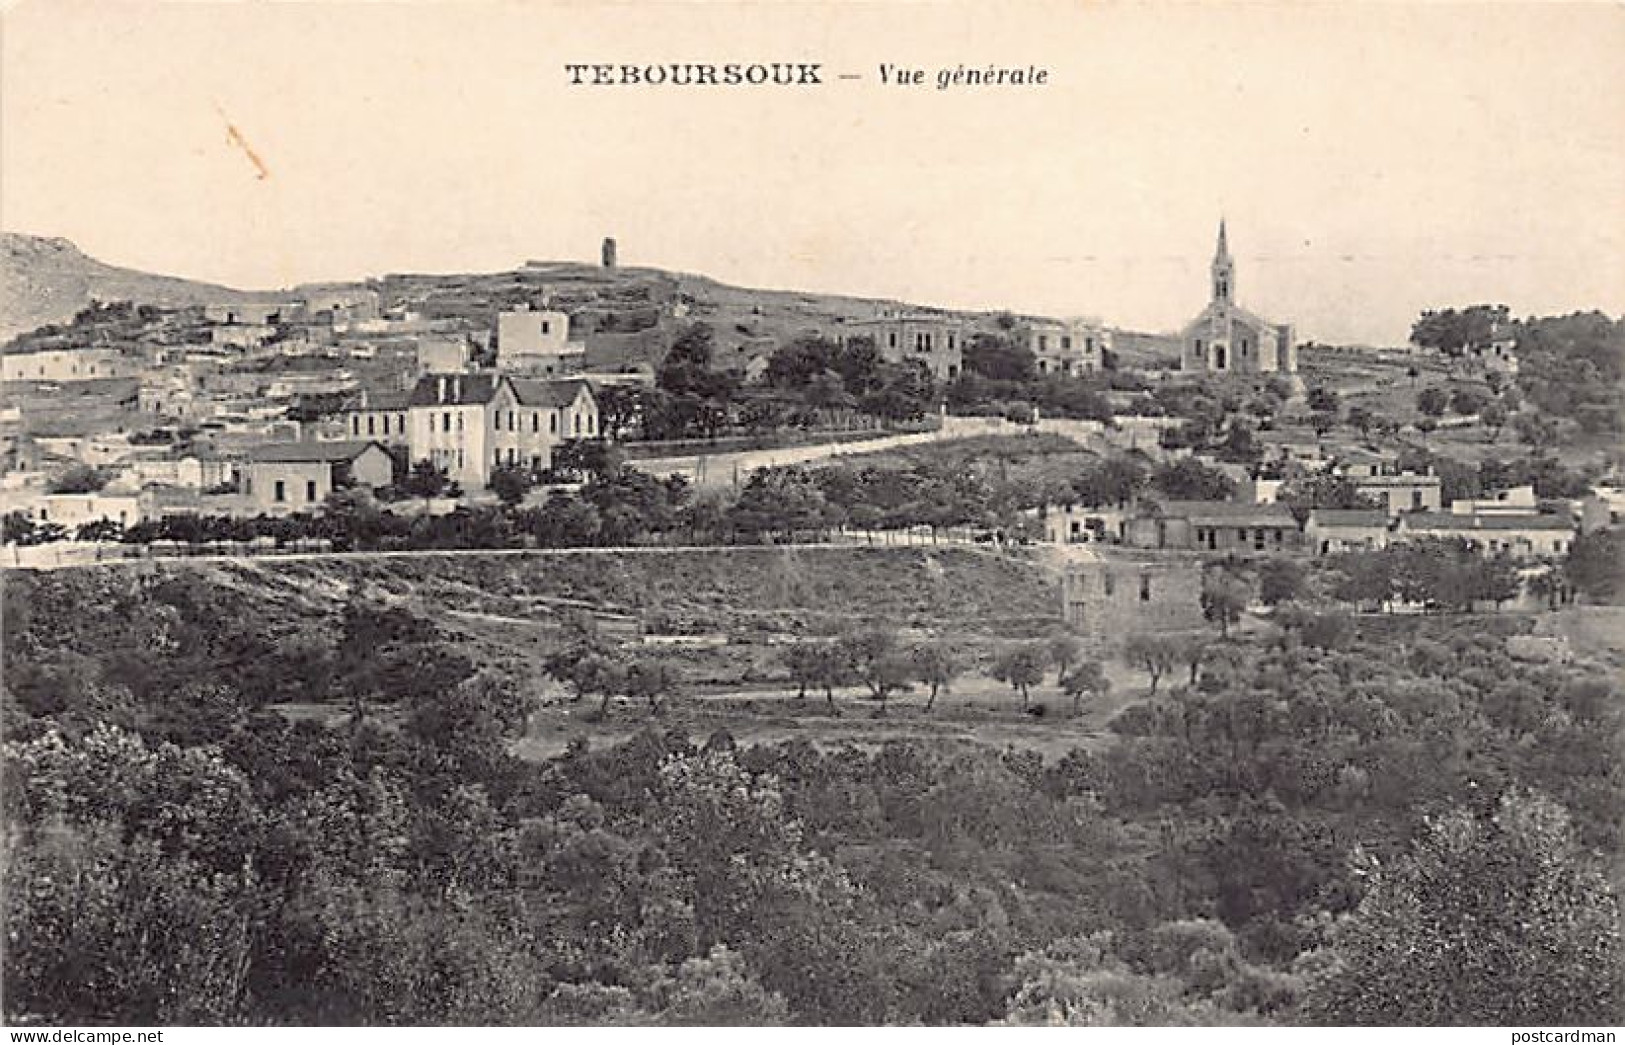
point(1371, 160)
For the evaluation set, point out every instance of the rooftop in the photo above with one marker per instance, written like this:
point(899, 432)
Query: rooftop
point(335, 451)
point(1363, 517)
point(1462, 523)
point(1229, 513)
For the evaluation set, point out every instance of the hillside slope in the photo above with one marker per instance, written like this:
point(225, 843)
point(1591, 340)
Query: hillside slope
point(47, 280)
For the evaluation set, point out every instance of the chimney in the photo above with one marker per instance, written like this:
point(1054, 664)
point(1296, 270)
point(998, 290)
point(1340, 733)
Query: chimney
point(442, 395)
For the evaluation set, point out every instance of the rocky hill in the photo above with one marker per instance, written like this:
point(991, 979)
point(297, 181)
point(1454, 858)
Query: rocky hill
point(47, 280)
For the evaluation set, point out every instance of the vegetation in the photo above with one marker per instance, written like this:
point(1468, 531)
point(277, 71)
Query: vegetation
point(1300, 836)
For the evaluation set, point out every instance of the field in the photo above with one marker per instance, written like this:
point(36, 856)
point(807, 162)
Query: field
point(720, 618)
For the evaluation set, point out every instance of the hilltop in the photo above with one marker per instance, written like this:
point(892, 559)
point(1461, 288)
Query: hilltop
point(626, 315)
point(47, 280)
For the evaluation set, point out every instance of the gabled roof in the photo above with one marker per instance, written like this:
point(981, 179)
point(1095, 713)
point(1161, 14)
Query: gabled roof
point(531, 391)
point(460, 389)
point(389, 400)
point(1229, 513)
point(1464, 523)
point(1409, 479)
point(334, 451)
point(1365, 518)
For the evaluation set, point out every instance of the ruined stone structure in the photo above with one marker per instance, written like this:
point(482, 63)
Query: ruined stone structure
point(1116, 594)
point(607, 255)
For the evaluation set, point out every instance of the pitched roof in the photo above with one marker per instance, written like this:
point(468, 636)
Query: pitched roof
point(387, 400)
point(1411, 479)
point(459, 389)
point(532, 391)
point(1229, 513)
point(339, 450)
point(1449, 521)
point(1361, 517)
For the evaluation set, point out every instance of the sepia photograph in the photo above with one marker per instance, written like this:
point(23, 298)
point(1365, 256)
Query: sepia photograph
point(878, 514)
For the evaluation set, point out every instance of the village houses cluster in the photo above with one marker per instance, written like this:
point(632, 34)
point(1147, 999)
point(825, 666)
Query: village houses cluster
point(285, 399)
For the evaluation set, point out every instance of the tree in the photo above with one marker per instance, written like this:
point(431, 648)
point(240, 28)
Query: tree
point(1432, 401)
point(1323, 400)
point(1089, 677)
point(510, 484)
point(81, 478)
point(426, 480)
point(1190, 480)
point(1496, 919)
point(877, 661)
point(1536, 431)
point(651, 680)
point(1453, 332)
point(1361, 420)
point(1467, 401)
point(1062, 651)
point(1022, 665)
point(1155, 654)
point(1494, 418)
point(1595, 565)
point(1224, 598)
point(937, 664)
point(1280, 580)
point(999, 358)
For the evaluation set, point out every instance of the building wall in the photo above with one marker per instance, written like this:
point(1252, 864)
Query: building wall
point(939, 344)
point(75, 509)
point(453, 438)
point(1397, 497)
point(1069, 349)
point(71, 364)
point(1114, 597)
point(1221, 341)
point(284, 487)
point(386, 426)
point(1520, 544)
point(1330, 540)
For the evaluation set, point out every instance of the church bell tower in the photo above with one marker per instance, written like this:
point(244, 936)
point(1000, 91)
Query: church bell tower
point(1224, 270)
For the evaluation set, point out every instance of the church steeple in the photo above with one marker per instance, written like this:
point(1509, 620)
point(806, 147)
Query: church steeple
point(1224, 270)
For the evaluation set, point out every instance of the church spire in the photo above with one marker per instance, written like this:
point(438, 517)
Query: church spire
point(1224, 270)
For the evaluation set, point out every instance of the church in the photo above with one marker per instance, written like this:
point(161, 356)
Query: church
point(1227, 339)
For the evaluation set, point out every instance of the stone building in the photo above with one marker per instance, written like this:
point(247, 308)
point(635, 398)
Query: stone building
point(1228, 339)
point(537, 342)
point(281, 478)
point(1117, 593)
point(937, 342)
point(1070, 347)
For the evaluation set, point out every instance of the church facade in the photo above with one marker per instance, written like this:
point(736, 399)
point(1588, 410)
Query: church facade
point(1228, 339)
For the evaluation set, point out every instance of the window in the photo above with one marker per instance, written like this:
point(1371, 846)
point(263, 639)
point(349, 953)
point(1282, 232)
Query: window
point(370, 424)
point(1109, 582)
point(459, 422)
point(535, 421)
point(578, 424)
point(1043, 342)
point(459, 457)
point(891, 340)
point(281, 492)
point(355, 424)
point(1145, 587)
point(1066, 341)
point(553, 424)
point(1416, 499)
point(445, 421)
point(310, 489)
